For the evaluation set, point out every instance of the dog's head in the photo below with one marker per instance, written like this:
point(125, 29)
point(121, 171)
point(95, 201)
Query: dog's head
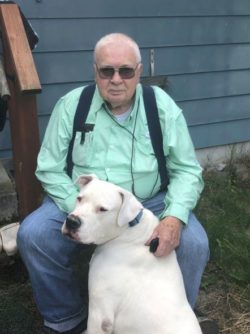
point(103, 210)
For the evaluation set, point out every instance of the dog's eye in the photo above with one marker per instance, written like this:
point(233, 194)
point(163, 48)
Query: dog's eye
point(79, 198)
point(102, 209)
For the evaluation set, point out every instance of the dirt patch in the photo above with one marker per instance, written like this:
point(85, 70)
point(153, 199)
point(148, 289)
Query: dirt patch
point(225, 302)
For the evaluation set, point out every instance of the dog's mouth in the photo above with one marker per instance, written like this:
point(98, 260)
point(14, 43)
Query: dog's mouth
point(71, 227)
point(74, 235)
point(71, 233)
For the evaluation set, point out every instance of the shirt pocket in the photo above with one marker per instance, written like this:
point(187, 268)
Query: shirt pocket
point(145, 158)
point(144, 145)
point(83, 151)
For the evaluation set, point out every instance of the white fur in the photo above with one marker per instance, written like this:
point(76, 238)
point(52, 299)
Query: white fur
point(130, 290)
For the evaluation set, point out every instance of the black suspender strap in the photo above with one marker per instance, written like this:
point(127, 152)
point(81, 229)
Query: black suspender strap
point(81, 114)
point(155, 132)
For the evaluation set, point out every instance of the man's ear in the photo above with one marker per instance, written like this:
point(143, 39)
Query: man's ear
point(129, 209)
point(83, 180)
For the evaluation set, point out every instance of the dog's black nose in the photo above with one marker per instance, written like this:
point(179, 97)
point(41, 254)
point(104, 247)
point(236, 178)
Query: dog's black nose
point(73, 222)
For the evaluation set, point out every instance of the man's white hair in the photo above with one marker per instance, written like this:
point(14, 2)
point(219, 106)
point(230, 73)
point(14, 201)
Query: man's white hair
point(120, 38)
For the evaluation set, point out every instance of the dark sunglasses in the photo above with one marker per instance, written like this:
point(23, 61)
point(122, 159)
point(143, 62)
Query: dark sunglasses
point(108, 72)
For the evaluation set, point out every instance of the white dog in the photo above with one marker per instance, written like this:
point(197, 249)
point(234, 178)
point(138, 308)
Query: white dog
point(130, 290)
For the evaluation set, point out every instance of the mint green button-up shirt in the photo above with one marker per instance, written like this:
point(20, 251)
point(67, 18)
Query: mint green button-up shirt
point(121, 153)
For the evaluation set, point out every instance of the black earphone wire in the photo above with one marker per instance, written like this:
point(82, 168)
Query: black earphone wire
point(132, 155)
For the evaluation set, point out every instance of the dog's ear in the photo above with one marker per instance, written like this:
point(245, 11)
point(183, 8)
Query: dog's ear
point(82, 180)
point(129, 209)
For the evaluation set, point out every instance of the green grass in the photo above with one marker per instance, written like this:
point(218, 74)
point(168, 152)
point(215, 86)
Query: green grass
point(224, 209)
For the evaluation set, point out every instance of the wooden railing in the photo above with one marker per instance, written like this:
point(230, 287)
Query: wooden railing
point(23, 83)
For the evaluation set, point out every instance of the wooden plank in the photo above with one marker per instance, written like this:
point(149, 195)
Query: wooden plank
point(51, 93)
point(209, 85)
point(22, 111)
point(25, 146)
point(56, 67)
point(148, 32)
point(199, 59)
point(216, 110)
point(138, 8)
point(210, 135)
point(15, 37)
point(60, 68)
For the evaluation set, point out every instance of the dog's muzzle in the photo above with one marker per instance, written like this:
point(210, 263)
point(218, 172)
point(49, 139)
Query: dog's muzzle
point(73, 223)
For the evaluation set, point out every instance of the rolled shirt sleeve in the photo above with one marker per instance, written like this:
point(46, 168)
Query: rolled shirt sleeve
point(51, 166)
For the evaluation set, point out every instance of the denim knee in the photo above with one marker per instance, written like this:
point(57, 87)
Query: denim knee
point(194, 244)
point(201, 246)
point(25, 234)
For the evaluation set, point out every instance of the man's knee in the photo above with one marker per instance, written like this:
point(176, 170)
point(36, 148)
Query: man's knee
point(201, 242)
point(194, 241)
point(41, 225)
point(27, 233)
point(200, 248)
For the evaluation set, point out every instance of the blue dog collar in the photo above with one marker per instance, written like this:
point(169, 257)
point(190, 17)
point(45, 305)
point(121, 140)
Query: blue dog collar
point(136, 220)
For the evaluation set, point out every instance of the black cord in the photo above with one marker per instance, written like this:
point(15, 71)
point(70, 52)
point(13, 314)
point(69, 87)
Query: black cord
point(132, 155)
point(121, 126)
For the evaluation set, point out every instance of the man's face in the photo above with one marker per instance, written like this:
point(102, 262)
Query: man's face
point(116, 90)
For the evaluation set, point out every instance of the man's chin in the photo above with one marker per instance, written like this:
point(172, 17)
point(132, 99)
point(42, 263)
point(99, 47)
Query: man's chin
point(116, 100)
point(118, 106)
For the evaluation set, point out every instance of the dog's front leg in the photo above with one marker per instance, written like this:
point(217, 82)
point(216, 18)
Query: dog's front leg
point(101, 318)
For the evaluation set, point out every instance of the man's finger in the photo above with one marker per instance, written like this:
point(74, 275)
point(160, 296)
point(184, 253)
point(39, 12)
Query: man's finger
point(153, 236)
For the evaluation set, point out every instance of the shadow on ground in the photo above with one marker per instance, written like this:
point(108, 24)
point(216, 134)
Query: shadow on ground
point(18, 314)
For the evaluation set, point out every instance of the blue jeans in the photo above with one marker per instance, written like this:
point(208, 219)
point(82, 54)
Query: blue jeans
point(48, 256)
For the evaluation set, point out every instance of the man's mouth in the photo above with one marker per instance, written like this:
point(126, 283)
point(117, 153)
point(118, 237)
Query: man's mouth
point(116, 92)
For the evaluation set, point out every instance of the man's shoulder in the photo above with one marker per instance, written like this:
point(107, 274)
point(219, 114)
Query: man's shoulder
point(73, 94)
point(71, 99)
point(165, 103)
point(161, 95)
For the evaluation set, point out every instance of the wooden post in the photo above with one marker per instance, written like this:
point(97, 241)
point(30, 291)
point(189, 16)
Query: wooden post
point(23, 83)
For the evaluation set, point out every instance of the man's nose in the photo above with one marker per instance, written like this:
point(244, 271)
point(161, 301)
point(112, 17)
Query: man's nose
point(73, 222)
point(116, 76)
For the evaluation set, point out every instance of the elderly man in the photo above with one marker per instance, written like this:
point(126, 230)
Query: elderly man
point(117, 149)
